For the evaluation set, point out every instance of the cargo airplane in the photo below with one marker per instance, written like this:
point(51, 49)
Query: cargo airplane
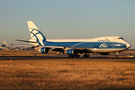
point(75, 47)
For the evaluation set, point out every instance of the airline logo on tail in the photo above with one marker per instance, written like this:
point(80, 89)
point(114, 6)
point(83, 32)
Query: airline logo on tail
point(35, 33)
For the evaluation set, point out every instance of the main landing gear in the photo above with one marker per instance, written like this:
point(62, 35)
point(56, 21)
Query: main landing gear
point(85, 55)
point(78, 55)
point(117, 56)
point(74, 55)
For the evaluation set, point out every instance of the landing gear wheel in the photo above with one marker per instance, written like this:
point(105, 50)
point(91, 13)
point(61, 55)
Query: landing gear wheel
point(77, 55)
point(85, 55)
point(70, 55)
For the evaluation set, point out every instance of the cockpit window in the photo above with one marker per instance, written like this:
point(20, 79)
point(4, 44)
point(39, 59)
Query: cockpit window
point(120, 38)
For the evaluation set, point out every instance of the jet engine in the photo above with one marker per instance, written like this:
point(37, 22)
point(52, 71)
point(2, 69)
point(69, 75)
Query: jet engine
point(44, 50)
point(71, 52)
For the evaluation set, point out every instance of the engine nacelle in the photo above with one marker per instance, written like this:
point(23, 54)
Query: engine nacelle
point(71, 52)
point(44, 50)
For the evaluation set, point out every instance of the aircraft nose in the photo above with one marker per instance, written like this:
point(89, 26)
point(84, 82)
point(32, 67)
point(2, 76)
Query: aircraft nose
point(128, 45)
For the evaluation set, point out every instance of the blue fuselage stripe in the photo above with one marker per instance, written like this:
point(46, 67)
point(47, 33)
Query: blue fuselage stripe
point(87, 44)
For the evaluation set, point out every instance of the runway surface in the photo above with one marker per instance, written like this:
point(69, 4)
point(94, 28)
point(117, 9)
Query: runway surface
point(23, 55)
point(56, 57)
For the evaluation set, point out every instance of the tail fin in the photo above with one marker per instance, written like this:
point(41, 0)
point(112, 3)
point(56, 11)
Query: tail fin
point(6, 43)
point(35, 33)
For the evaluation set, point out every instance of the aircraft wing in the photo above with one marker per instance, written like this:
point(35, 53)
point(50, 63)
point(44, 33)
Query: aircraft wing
point(59, 47)
point(54, 48)
point(27, 45)
point(62, 49)
point(51, 47)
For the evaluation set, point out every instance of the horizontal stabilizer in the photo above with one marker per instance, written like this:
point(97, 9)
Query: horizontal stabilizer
point(25, 41)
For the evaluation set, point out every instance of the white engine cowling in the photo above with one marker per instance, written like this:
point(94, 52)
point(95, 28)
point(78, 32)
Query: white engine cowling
point(44, 50)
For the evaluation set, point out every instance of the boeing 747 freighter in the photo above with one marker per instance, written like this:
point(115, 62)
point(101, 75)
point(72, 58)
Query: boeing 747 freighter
point(75, 47)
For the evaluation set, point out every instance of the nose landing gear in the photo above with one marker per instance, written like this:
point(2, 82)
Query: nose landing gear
point(117, 55)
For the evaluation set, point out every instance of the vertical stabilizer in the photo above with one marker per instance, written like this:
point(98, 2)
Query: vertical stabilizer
point(35, 33)
point(31, 26)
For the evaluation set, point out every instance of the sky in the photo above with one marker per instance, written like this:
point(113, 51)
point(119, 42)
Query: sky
point(74, 19)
